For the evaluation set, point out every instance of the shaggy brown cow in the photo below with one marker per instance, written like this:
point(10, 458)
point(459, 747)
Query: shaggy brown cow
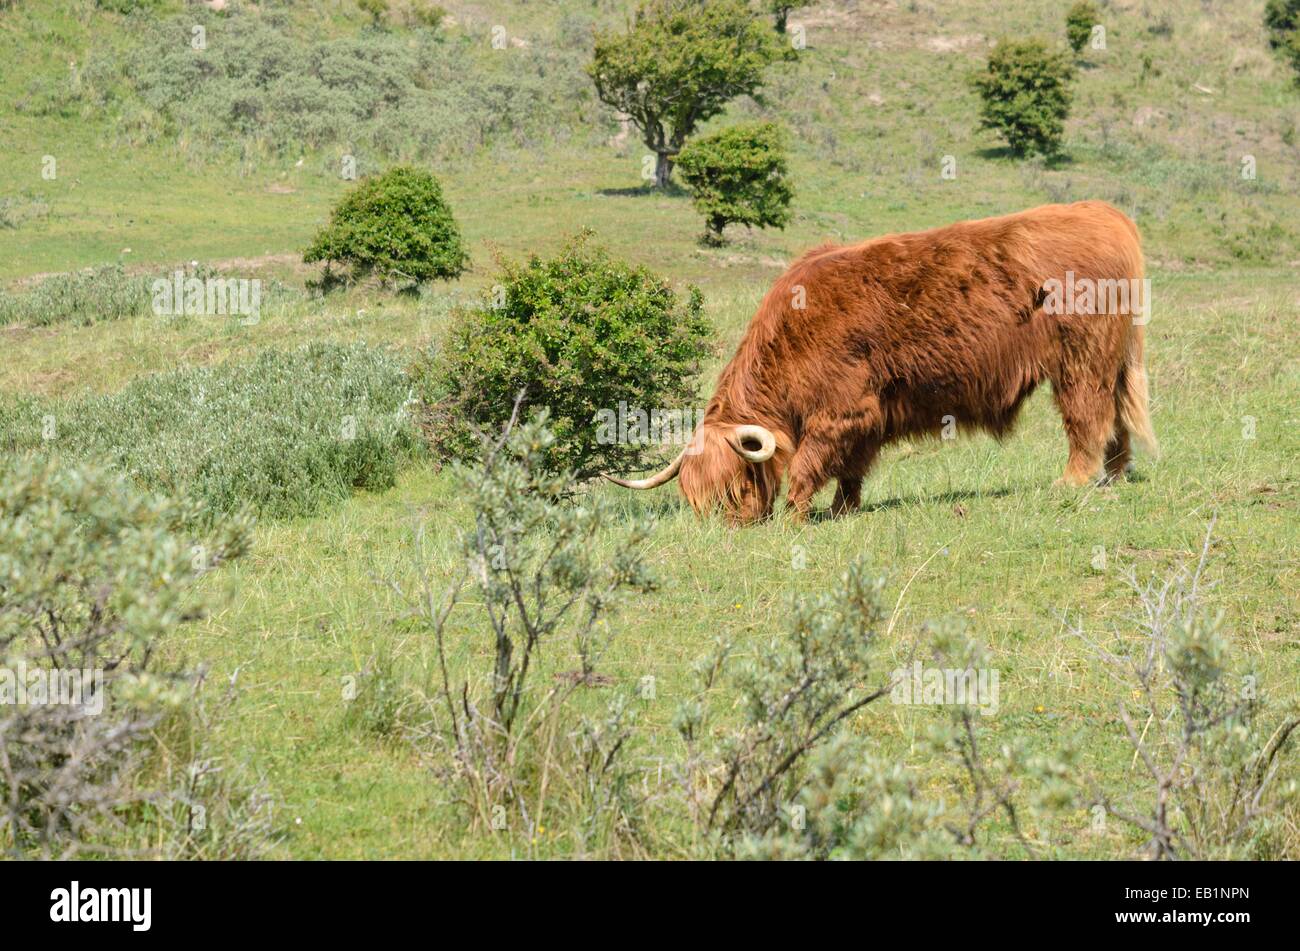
point(857, 346)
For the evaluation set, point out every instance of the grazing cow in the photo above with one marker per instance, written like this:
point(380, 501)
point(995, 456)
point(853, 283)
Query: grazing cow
point(856, 346)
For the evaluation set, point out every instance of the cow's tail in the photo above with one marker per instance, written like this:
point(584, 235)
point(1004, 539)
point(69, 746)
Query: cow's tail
point(1131, 394)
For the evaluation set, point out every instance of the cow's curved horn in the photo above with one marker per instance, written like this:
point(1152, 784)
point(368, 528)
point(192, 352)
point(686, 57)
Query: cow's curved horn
point(666, 474)
point(740, 435)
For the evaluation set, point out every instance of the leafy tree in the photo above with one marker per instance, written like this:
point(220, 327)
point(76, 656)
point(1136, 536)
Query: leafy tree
point(739, 175)
point(678, 65)
point(396, 225)
point(588, 337)
point(1026, 91)
point(1079, 21)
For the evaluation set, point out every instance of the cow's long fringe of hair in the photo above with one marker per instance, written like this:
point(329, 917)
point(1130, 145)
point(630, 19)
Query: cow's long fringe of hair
point(715, 477)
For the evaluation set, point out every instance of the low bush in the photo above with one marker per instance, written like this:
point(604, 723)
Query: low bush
point(282, 434)
point(1282, 21)
point(586, 337)
point(397, 225)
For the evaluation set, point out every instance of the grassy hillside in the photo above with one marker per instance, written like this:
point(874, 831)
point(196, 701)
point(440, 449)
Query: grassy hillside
point(1162, 120)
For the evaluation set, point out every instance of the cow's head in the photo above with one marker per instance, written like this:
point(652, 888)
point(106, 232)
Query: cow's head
point(736, 468)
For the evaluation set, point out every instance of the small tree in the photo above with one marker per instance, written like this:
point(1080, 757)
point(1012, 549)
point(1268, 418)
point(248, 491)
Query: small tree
point(780, 10)
point(607, 347)
point(1026, 91)
point(678, 65)
point(1079, 21)
point(396, 225)
point(739, 175)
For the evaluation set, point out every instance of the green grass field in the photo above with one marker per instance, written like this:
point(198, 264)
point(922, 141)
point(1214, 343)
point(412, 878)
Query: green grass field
point(973, 528)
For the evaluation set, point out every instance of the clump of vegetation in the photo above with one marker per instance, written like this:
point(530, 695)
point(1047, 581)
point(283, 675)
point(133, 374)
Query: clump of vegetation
point(267, 85)
point(794, 780)
point(16, 210)
point(1200, 732)
point(795, 694)
point(535, 566)
point(282, 434)
point(739, 176)
point(1079, 21)
point(1025, 88)
point(377, 10)
point(594, 340)
point(396, 225)
point(94, 575)
point(86, 297)
point(679, 65)
point(426, 14)
point(80, 298)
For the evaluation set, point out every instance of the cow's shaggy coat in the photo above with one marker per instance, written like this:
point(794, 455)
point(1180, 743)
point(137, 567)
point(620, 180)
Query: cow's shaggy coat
point(856, 346)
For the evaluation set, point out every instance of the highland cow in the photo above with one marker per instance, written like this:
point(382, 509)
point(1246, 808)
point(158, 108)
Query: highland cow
point(860, 345)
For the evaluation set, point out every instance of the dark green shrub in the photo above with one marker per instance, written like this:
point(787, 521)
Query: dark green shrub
point(1282, 20)
point(281, 434)
point(1079, 21)
point(395, 225)
point(580, 333)
point(738, 175)
point(1026, 91)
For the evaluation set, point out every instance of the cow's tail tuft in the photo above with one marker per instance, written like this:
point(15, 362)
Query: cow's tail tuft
point(1132, 396)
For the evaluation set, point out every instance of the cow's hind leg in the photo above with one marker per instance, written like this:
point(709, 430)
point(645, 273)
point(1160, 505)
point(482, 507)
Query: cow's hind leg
point(1088, 411)
point(1118, 455)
